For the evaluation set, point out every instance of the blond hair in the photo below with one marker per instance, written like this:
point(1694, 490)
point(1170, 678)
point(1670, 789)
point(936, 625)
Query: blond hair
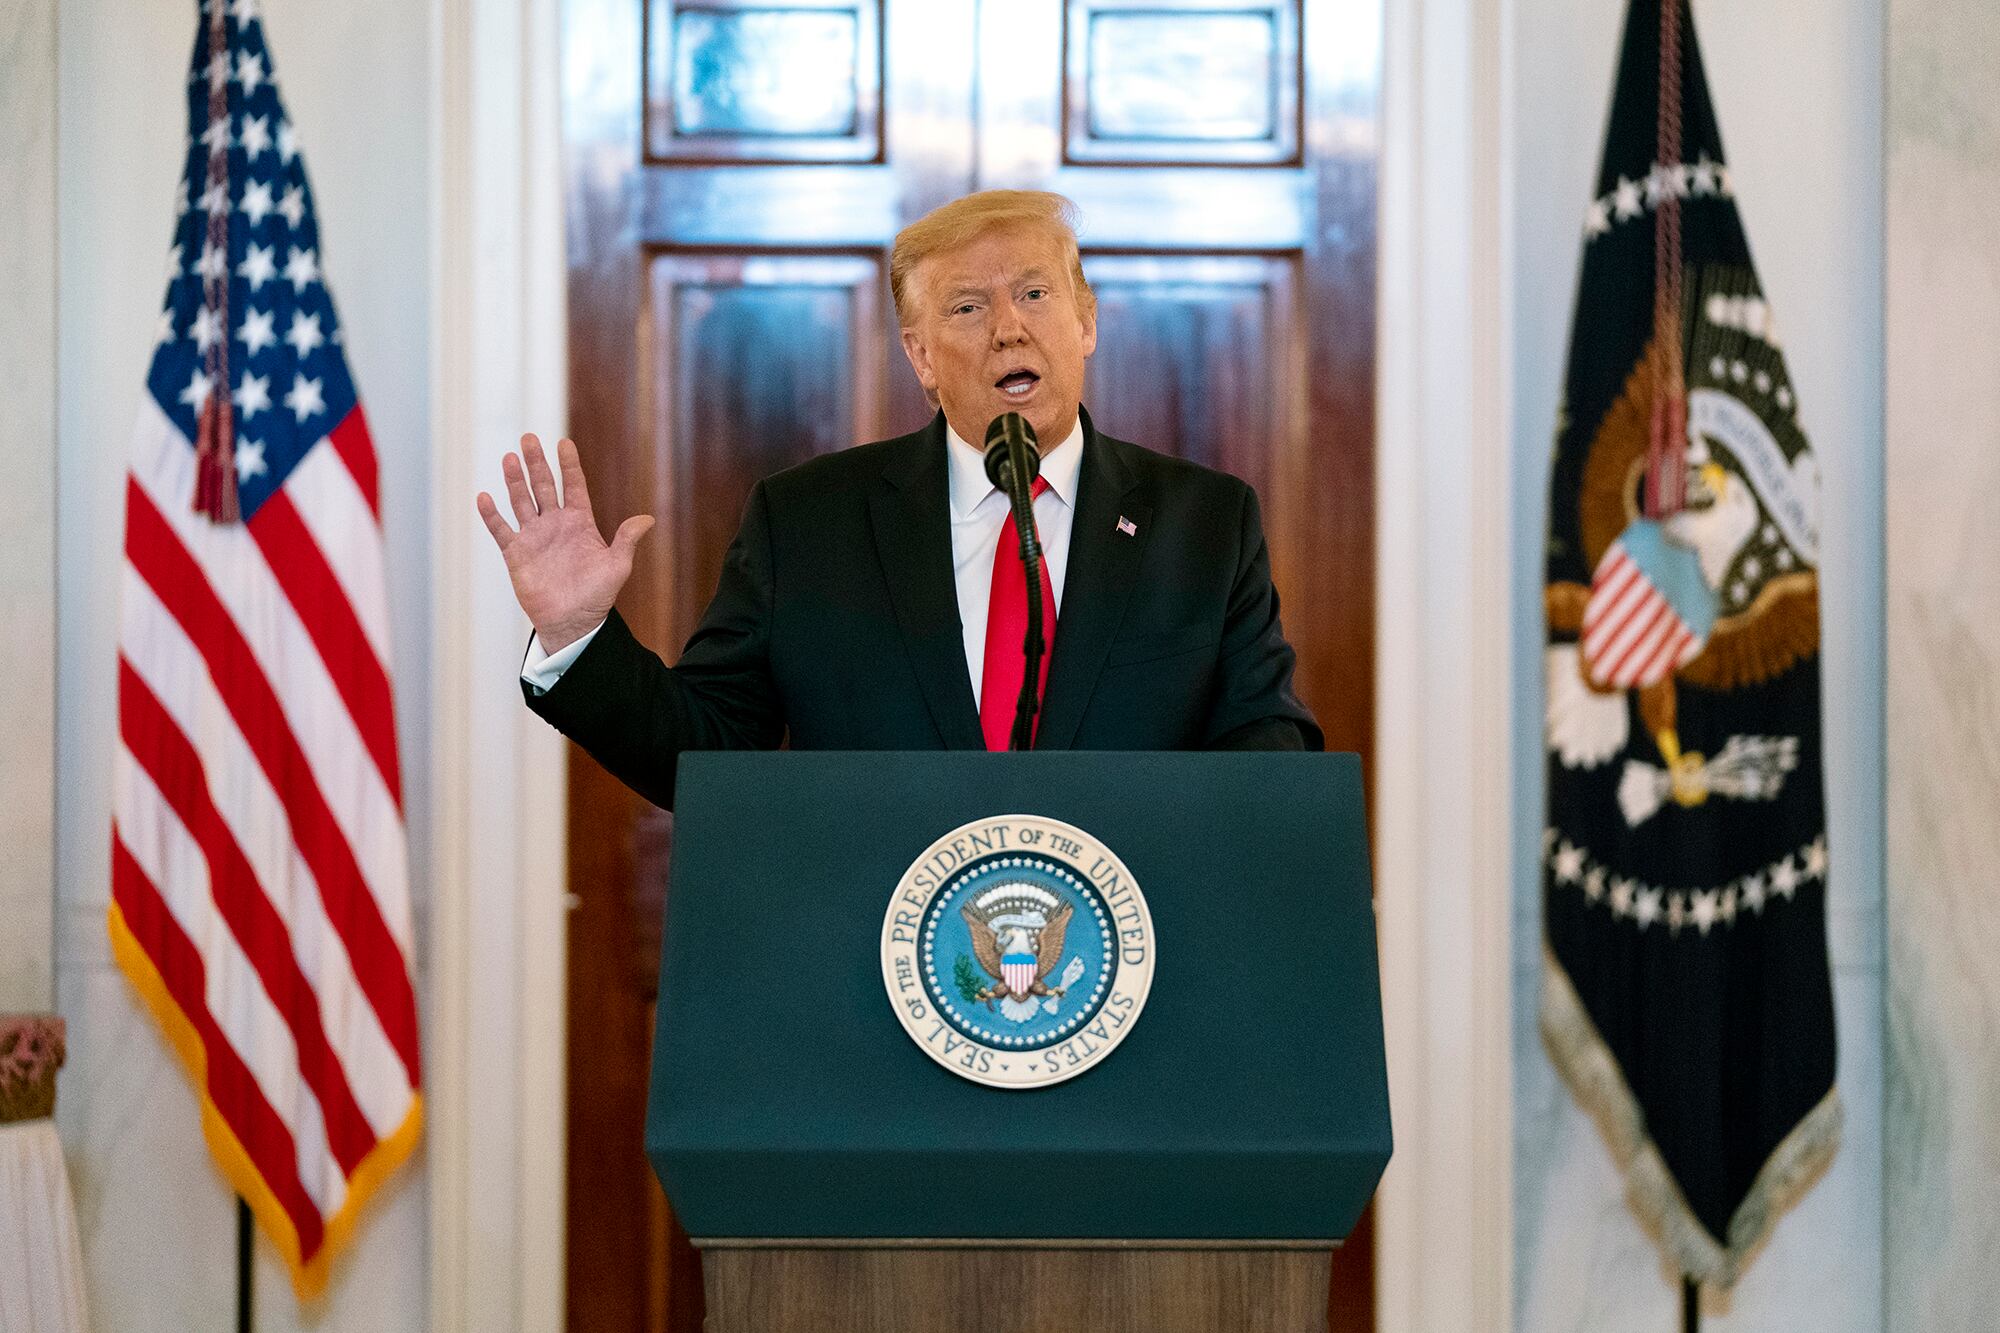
point(952, 225)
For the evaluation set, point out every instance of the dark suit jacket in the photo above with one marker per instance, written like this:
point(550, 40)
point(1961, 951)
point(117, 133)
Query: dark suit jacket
point(836, 621)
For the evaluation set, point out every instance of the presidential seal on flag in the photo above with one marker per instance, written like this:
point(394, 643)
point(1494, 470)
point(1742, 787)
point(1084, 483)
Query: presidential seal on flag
point(1017, 951)
point(1687, 996)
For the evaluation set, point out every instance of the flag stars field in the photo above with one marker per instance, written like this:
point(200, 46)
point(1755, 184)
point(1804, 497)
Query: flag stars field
point(214, 262)
point(301, 269)
point(249, 459)
point(255, 137)
point(258, 266)
point(278, 299)
point(198, 388)
point(256, 332)
point(252, 396)
point(257, 202)
point(304, 397)
point(207, 329)
point(304, 335)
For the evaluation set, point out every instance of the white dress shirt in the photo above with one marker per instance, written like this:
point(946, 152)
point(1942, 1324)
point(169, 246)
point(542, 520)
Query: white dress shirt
point(978, 512)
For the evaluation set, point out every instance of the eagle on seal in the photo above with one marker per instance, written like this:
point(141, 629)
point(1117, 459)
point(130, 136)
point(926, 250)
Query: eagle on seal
point(1018, 987)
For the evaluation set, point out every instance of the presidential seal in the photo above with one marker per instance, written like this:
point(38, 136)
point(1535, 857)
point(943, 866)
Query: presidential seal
point(1017, 951)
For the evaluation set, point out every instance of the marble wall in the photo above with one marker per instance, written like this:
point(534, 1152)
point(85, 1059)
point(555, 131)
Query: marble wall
point(27, 502)
point(1942, 1172)
point(158, 1224)
point(1797, 87)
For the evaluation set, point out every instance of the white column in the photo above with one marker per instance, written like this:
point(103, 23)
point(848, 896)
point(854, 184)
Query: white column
point(1441, 772)
point(496, 1051)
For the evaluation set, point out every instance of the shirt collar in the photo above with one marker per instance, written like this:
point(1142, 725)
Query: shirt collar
point(969, 485)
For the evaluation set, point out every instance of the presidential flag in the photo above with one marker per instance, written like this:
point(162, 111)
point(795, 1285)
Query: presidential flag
point(260, 893)
point(1687, 1000)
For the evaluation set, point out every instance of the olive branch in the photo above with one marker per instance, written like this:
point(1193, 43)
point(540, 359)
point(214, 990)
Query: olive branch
point(971, 985)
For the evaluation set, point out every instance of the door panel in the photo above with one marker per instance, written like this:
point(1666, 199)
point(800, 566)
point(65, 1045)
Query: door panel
point(735, 80)
point(757, 363)
point(1208, 83)
point(1194, 359)
point(736, 170)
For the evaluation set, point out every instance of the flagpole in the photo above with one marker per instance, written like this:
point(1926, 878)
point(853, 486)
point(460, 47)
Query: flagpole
point(1690, 1305)
point(246, 1318)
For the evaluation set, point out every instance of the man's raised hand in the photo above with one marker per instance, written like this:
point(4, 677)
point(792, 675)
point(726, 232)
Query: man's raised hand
point(565, 575)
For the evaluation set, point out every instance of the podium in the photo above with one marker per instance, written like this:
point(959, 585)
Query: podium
point(838, 1173)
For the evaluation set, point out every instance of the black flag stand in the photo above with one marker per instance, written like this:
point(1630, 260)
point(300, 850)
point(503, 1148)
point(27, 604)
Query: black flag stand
point(246, 1319)
point(1690, 1306)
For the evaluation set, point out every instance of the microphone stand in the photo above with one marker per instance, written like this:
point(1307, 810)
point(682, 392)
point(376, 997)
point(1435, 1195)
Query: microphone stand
point(1012, 461)
point(1031, 646)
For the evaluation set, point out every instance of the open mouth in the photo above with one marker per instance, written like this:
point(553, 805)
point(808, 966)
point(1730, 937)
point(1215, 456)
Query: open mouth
point(1018, 383)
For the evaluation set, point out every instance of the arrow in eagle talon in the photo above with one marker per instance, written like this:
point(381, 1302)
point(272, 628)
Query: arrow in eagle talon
point(1071, 972)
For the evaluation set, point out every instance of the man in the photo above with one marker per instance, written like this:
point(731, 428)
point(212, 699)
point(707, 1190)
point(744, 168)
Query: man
point(875, 598)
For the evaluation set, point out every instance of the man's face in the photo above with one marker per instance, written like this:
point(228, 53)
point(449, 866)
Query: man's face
point(996, 328)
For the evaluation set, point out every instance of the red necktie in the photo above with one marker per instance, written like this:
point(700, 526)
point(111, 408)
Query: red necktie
point(1007, 630)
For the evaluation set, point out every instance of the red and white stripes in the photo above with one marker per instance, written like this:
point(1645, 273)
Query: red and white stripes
point(258, 847)
point(1631, 636)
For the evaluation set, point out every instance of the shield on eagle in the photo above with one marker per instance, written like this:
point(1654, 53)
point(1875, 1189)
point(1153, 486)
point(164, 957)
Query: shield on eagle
point(1018, 971)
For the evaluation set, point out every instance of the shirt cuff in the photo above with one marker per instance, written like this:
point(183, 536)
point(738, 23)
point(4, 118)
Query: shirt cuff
point(542, 670)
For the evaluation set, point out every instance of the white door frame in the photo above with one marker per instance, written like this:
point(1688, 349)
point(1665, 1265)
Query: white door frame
point(496, 1050)
point(1442, 799)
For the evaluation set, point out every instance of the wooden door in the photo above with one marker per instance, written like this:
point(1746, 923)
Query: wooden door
point(736, 170)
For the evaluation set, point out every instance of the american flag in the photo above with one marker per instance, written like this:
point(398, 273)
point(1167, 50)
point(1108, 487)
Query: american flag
point(260, 889)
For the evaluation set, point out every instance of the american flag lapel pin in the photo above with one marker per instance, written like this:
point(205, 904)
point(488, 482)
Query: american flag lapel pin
point(1127, 526)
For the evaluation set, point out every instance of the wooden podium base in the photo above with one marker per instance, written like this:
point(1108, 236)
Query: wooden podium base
point(1032, 1286)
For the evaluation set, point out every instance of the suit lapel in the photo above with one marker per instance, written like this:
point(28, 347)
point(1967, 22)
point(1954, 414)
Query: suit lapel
point(910, 512)
point(1103, 567)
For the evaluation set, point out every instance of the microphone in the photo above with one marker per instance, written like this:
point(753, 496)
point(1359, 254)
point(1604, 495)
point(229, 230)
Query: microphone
point(1013, 461)
point(1013, 455)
